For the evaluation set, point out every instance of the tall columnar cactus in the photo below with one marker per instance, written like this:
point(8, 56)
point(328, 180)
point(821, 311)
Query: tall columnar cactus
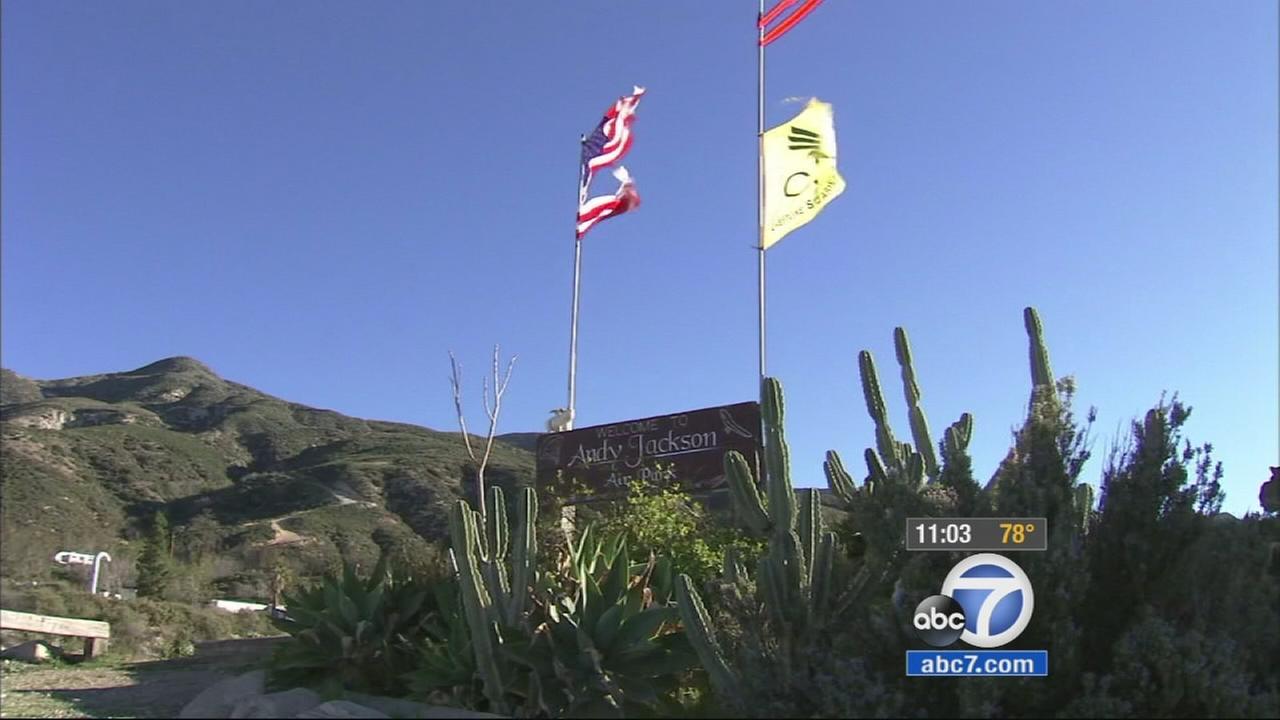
point(911, 389)
point(1041, 373)
point(886, 445)
point(494, 598)
point(794, 577)
point(890, 457)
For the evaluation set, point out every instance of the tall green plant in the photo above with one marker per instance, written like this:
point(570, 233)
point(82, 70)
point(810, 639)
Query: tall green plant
point(492, 603)
point(795, 578)
point(155, 565)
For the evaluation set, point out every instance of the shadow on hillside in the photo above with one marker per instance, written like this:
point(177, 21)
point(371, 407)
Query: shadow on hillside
point(159, 689)
point(255, 497)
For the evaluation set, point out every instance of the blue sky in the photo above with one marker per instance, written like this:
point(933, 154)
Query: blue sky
point(321, 199)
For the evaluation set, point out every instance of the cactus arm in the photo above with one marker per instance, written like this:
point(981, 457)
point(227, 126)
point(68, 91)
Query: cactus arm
point(496, 525)
point(523, 555)
point(809, 527)
point(1084, 505)
point(839, 479)
point(697, 626)
point(476, 602)
point(913, 470)
point(745, 494)
point(820, 585)
point(789, 558)
point(876, 473)
point(924, 443)
point(885, 443)
point(782, 498)
point(771, 586)
point(1041, 372)
point(911, 390)
point(958, 434)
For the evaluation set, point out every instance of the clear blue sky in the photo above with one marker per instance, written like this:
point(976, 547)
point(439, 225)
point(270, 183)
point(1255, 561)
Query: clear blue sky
point(320, 199)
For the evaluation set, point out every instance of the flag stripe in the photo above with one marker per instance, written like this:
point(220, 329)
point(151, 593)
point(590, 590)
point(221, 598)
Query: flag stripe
point(790, 21)
point(775, 12)
point(598, 208)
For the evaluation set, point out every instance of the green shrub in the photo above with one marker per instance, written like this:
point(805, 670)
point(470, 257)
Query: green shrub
point(669, 522)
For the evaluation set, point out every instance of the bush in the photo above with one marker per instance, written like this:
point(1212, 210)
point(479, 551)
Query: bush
point(1151, 604)
point(140, 629)
point(671, 523)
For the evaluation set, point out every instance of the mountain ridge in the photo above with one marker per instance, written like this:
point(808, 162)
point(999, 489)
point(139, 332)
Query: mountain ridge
point(90, 459)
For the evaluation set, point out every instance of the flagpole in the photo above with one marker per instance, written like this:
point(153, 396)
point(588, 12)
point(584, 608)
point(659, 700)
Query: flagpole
point(760, 172)
point(577, 275)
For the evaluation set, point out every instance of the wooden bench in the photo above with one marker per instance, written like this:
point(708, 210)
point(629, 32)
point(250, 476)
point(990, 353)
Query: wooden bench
point(96, 633)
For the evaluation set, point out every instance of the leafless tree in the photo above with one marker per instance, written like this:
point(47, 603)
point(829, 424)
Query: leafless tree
point(499, 387)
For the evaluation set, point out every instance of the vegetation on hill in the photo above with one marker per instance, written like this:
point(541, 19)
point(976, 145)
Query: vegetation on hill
point(247, 481)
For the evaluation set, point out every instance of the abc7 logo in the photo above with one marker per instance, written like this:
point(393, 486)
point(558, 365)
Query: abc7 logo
point(986, 601)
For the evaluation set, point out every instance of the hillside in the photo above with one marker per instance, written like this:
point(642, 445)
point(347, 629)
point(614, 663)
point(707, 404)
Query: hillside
point(246, 479)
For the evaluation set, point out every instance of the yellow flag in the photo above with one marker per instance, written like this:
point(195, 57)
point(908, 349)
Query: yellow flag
point(800, 175)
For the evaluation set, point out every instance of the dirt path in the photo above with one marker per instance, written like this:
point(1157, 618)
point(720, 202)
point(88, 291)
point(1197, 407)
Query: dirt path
point(284, 537)
point(156, 689)
point(342, 494)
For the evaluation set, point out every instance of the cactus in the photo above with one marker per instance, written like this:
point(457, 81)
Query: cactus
point(698, 626)
point(491, 603)
point(911, 390)
point(597, 638)
point(477, 603)
point(794, 577)
point(885, 443)
point(1041, 373)
point(839, 479)
point(890, 458)
point(1084, 505)
point(958, 435)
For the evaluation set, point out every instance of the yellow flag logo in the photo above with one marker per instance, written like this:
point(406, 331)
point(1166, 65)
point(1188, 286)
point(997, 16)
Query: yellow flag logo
point(800, 175)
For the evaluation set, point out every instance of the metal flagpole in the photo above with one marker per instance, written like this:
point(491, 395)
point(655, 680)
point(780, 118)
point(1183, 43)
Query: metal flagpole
point(577, 274)
point(760, 168)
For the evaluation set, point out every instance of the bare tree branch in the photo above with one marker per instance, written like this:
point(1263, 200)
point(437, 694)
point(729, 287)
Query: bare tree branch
point(456, 381)
point(499, 388)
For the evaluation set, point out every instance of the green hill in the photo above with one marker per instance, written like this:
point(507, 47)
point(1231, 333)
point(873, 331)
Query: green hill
point(247, 480)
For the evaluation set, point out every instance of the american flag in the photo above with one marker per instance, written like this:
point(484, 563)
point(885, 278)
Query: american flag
point(596, 209)
point(605, 146)
point(612, 137)
point(769, 34)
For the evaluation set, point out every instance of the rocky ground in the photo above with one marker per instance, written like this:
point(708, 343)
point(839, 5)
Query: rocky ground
point(107, 689)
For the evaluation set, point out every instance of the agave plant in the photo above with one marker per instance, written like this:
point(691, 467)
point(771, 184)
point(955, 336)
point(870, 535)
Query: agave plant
point(352, 633)
point(446, 660)
point(609, 641)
